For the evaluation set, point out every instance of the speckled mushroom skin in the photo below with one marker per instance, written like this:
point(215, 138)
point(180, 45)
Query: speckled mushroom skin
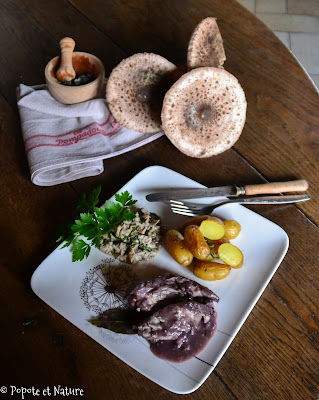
point(136, 88)
point(205, 48)
point(204, 112)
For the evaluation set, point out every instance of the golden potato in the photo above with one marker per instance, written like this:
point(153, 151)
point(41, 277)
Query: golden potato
point(214, 245)
point(231, 255)
point(193, 221)
point(232, 228)
point(175, 245)
point(211, 270)
point(196, 242)
point(212, 228)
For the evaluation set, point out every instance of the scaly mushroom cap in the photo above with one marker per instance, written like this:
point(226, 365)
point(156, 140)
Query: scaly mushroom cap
point(204, 112)
point(205, 48)
point(136, 88)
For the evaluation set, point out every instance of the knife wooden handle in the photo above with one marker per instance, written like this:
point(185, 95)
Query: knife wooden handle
point(277, 187)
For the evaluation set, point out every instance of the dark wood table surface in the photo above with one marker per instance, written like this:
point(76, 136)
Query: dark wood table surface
point(275, 354)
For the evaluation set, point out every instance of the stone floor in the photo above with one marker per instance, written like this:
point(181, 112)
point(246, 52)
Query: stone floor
point(296, 23)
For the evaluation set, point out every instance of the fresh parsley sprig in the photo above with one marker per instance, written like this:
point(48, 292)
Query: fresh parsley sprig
point(91, 222)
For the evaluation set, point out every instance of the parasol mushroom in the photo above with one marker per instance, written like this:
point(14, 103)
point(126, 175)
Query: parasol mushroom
point(205, 48)
point(204, 112)
point(136, 88)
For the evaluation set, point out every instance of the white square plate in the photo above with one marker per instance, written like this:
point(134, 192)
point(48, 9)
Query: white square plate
point(79, 290)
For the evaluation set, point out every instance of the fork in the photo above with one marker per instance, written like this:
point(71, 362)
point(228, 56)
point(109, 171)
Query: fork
point(192, 209)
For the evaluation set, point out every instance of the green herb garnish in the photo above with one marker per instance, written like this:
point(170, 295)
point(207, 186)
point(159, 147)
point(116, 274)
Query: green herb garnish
point(147, 248)
point(212, 249)
point(92, 223)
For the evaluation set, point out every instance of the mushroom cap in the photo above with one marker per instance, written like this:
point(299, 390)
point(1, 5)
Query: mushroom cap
point(205, 48)
point(136, 88)
point(204, 112)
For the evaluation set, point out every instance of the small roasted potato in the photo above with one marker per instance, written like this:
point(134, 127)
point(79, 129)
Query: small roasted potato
point(212, 228)
point(196, 242)
point(175, 245)
point(232, 228)
point(230, 255)
point(193, 221)
point(211, 270)
point(214, 245)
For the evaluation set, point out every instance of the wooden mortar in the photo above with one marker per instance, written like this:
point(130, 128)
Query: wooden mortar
point(80, 62)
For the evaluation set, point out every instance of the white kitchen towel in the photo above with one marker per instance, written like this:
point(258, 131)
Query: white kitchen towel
point(68, 142)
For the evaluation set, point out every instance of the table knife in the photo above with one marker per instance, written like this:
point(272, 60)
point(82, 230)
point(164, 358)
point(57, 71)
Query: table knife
point(230, 191)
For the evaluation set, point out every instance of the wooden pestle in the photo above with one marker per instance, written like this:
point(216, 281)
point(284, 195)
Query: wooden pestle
point(66, 71)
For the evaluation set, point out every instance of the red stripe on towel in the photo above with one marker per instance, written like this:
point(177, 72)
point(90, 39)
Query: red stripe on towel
point(84, 133)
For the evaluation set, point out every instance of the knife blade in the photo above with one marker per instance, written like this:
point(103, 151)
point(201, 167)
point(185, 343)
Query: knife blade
point(300, 185)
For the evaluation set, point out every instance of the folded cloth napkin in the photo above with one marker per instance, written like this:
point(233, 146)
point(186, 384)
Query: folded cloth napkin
point(68, 142)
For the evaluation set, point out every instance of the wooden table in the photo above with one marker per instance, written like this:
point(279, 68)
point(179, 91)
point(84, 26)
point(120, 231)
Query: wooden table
point(275, 354)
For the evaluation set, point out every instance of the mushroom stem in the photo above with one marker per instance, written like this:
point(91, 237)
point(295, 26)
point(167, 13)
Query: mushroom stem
point(144, 94)
point(205, 112)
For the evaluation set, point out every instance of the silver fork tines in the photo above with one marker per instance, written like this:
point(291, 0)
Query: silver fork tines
point(178, 207)
point(192, 209)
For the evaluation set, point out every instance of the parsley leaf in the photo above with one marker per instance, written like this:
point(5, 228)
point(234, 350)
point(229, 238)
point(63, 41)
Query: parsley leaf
point(87, 203)
point(81, 249)
point(125, 199)
point(93, 222)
